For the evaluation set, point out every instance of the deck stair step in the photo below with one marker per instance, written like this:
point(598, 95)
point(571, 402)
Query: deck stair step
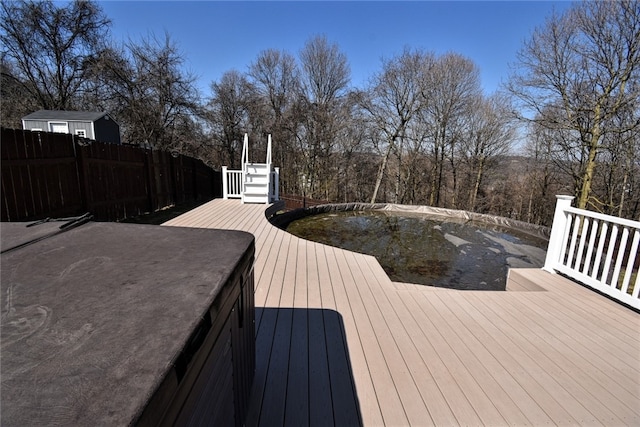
point(254, 182)
point(256, 176)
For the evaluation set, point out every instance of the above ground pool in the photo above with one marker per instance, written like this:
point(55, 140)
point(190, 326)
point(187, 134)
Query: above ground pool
point(427, 249)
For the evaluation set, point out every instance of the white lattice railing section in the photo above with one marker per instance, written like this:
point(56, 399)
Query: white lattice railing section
point(598, 250)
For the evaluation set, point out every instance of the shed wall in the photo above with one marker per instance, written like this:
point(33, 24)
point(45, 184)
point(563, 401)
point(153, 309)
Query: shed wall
point(36, 124)
point(107, 130)
point(73, 126)
point(86, 126)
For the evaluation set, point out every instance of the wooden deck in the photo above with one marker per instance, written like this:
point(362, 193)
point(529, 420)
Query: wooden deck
point(338, 343)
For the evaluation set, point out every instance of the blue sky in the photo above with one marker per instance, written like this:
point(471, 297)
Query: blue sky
point(219, 36)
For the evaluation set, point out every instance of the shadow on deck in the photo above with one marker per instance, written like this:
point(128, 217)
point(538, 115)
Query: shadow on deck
point(303, 360)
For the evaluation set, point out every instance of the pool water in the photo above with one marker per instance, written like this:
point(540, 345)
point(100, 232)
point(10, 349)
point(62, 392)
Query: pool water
point(427, 250)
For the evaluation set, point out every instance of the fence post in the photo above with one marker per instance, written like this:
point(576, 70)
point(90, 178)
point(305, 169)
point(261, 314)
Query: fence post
point(152, 193)
point(557, 232)
point(82, 160)
point(225, 190)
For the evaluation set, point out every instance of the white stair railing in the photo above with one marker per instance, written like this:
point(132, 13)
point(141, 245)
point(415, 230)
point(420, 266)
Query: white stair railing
point(269, 150)
point(245, 151)
point(586, 245)
point(235, 181)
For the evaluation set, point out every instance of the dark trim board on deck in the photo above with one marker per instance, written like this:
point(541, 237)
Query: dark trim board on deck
point(337, 343)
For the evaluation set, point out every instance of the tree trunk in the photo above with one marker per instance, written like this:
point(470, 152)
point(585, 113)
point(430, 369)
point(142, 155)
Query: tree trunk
point(587, 177)
point(476, 185)
point(383, 167)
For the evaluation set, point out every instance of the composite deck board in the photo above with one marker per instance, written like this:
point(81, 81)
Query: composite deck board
point(297, 403)
point(565, 365)
point(338, 343)
point(535, 353)
point(381, 314)
point(572, 341)
point(512, 391)
point(409, 336)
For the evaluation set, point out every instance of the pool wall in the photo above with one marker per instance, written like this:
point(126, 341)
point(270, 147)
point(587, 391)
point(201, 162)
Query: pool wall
point(284, 219)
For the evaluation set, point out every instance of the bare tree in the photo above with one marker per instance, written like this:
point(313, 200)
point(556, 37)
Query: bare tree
point(50, 48)
point(16, 99)
point(151, 95)
point(616, 185)
point(275, 76)
point(324, 83)
point(228, 115)
point(452, 89)
point(542, 178)
point(326, 72)
point(577, 72)
point(490, 136)
point(395, 98)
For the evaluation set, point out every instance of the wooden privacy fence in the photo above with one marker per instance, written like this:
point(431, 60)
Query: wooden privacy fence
point(296, 202)
point(56, 175)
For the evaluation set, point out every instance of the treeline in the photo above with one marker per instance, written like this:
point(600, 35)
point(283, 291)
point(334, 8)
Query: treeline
point(421, 131)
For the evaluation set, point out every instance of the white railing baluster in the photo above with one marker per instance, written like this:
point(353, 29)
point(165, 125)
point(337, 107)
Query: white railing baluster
point(565, 239)
point(636, 287)
point(600, 251)
point(574, 238)
point(572, 245)
point(592, 242)
point(630, 262)
point(620, 257)
point(583, 237)
point(607, 262)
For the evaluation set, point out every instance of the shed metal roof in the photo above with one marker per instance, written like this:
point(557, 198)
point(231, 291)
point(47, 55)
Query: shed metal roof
point(65, 115)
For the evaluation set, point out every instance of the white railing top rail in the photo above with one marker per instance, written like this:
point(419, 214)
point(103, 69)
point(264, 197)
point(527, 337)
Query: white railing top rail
point(603, 217)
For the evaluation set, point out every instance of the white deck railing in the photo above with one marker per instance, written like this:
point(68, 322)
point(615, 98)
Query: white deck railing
point(233, 180)
point(274, 185)
point(231, 183)
point(598, 250)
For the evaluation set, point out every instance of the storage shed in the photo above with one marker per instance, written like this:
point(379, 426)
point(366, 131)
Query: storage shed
point(99, 126)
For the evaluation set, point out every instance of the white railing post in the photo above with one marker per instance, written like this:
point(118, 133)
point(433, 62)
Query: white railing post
point(276, 185)
point(556, 239)
point(225, 185)
point(245, 150)
point(269, 150)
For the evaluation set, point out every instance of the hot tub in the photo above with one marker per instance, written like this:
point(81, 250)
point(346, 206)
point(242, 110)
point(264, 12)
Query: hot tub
point(117, 324)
